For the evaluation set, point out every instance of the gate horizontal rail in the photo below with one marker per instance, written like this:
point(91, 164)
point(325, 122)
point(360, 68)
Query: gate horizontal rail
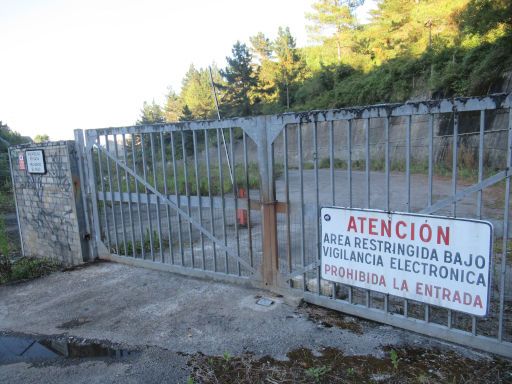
point(195, 201)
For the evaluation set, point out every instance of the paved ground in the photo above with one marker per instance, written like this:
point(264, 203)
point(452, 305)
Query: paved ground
point(167, 318)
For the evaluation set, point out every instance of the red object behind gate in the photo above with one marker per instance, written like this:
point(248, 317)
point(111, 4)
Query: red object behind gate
point(241, 213)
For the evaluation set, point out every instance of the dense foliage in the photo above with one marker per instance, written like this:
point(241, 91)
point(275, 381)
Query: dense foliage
point(410, 49)
point(7, 137)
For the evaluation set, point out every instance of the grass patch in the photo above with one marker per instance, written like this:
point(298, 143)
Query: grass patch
point(26, 268)
point(6, 200)
point(144, 245)
point(401, 365)
point(337, 163)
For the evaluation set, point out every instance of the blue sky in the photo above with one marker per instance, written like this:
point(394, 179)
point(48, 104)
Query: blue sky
point(70, 64)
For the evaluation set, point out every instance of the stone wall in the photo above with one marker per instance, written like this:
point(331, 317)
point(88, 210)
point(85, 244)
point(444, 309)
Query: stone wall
point(50, 206)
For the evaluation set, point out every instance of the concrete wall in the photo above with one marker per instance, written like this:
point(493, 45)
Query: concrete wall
point(50, 206)
point(495, 143)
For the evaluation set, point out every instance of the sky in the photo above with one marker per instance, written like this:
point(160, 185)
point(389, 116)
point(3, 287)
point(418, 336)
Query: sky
point(68, 64)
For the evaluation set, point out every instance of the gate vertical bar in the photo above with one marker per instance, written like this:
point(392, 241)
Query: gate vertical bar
point(386, 160)
point(13, 182)
point(349, 181)
point(103, 192)
point(408, 181)
point(248, 191)
point(430, 181)
point(148, 204)
point(367, 134)
point(96, 235)
point(221, 184)
point(287, 201)
point(333, 190)
point(480, 194)
point(198, 190)
point(235, 193)
point(317, 203)
point(430, 157)
point(387, 171)
point(155, 181)
point(82, 172)
point(408, 162)
point(503, 270)
point(454, 179)
point(331, 162)
point(129, 191)
point(111, 190)
point(212, 217)
point(454, 160)
point(301, 190)
point(166, 193)
point(178, 198)
point(367, 157)
point(187, 193)
point(119, 189)
point(139, 214)
point(480, 163)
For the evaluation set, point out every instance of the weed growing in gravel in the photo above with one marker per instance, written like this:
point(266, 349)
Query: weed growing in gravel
point(27, 268)
point(394, 358)
point(317, 373)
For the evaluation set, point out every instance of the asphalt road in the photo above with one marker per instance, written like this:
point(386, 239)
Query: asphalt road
point(167, 318)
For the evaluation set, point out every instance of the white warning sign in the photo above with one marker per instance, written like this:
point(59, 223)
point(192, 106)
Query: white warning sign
point(35, 161)
point(436, 260)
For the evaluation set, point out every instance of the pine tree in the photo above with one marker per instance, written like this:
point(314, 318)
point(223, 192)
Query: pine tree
point(290, 65)
point(173, 107)
point(196, 92)
point(151, 114)
point(334, 17)
point(240, 81)
point(266, 90)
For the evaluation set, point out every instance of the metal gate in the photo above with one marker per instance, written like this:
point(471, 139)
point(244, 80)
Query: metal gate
point(239, 199)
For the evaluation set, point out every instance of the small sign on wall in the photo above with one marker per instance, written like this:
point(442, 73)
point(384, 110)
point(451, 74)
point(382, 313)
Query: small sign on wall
point(21, 162)
point(35, 161)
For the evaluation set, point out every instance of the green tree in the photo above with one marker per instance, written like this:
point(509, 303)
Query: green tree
point(290, 65)
point(151, 113)
point(10, 137)
point(7, 137)
point(482, 16)
point(240, 81)
point(265, 70)
point(336, 19)
point(409, 28)
point(41, 138)
point(186, 115)
point(261, 47)
point(196, 92)
point(173, 107)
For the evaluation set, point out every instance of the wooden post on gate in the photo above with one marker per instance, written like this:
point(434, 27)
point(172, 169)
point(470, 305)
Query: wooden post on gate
point(270, 265)
point(270, 249)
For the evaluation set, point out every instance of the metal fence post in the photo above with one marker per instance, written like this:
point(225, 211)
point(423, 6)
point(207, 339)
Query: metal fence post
point(80, 150)
point(91, 186)
point(269, 266)
point(14, 193)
